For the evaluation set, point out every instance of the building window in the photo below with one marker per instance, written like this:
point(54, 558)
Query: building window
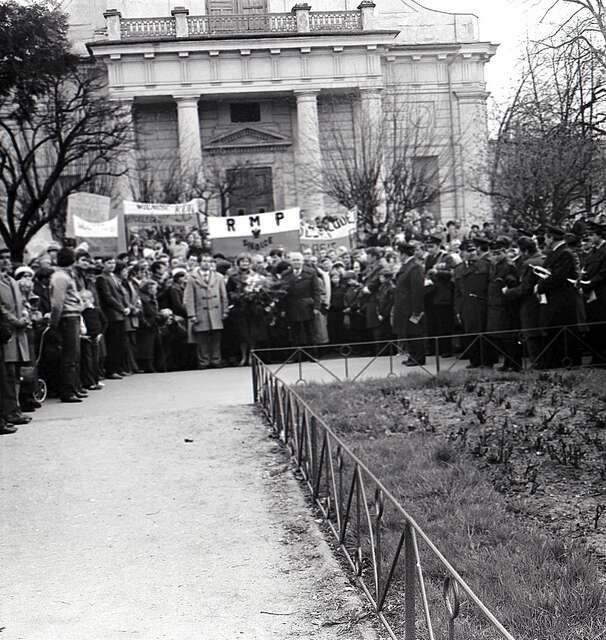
point(245, 112)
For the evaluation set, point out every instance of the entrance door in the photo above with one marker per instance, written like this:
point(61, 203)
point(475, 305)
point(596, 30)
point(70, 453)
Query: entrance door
point(251, 191)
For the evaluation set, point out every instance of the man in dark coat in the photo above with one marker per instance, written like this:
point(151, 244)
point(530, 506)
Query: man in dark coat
point(558, 296)
point(408, 314)
point(302, 301)
point(501, 312)
point(115, 308)
point(471, 296)
point(6, 333)
point(528, 302)
point(594, 289)
point(439, 296)
point(372, 282)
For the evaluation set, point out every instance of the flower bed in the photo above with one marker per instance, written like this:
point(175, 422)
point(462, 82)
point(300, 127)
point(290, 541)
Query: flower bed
point(506, 473)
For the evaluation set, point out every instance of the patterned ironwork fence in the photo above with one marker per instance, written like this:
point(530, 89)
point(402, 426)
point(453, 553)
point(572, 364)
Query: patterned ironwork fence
point(386, 549)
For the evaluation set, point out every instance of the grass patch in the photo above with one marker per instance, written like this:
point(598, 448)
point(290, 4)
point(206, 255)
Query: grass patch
point(506, 474)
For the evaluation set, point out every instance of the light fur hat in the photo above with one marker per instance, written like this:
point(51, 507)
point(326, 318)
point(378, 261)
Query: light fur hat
point(178, 271)
point(24, 270)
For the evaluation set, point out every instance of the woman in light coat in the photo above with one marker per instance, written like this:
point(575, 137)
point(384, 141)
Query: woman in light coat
point(205, 299)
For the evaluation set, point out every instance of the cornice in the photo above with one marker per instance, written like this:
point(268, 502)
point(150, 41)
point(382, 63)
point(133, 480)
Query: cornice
point(252, 42)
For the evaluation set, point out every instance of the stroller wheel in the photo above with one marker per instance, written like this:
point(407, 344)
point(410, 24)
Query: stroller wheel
point(42, 391)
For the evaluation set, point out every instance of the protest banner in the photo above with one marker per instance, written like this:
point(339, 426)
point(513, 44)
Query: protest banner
point(101, 237)
point(258, 233)
point(335, 232)
point(87, 206)
point(40, 242)
point(156, 221)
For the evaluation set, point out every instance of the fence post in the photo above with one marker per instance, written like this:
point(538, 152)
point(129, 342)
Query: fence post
point(410, 584)
point(112, 21)
point(255, 379)
point(437, 352)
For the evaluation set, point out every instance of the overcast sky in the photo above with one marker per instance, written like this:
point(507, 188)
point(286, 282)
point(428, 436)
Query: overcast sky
point(504, 22)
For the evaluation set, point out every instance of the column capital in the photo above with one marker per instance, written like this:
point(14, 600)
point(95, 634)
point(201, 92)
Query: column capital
point(186, 101)
point(306, 94)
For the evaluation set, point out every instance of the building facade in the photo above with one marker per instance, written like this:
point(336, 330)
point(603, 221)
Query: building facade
point(264, 85)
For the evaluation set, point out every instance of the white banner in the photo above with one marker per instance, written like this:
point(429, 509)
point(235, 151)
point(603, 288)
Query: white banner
point(259, 224)
point(87, 206)
point(87, 229)
point(258, 233)
point(190, 208)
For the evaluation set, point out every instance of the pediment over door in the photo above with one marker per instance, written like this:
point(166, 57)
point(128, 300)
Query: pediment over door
point(248, 139)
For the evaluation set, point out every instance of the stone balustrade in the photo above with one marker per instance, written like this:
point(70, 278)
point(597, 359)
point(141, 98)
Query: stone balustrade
point(181, 25)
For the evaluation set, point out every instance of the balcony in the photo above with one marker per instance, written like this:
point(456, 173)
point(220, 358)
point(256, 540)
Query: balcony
point(181, 25)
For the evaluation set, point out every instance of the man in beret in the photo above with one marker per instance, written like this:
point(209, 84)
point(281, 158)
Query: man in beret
point(594, 290)
point(558, 295)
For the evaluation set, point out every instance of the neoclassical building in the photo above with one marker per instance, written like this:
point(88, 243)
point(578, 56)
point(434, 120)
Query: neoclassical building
point(256, 82)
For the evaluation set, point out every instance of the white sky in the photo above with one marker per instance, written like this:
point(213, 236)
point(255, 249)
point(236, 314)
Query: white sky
point(504, 22)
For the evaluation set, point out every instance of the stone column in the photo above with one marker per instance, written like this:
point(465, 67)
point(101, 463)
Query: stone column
point(370, 128)
point(473, 134)
point(308, 156)
point(190, 142)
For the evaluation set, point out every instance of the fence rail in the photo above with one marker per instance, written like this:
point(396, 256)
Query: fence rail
point(565, 346)
point(356, 506)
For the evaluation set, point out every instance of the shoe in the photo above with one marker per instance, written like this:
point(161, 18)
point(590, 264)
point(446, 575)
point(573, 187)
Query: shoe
point(124, 374)
point(95, 387)
point(71, 399)
point(6, 429)
point(113, 376)
point(81, 394)
point(28, 408)
point(19, 419)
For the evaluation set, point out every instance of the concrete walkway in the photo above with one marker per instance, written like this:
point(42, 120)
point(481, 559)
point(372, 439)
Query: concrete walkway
point(159, 508)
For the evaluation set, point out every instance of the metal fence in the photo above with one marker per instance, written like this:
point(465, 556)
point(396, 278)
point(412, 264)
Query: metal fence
point(386, 549)
point(566, 346)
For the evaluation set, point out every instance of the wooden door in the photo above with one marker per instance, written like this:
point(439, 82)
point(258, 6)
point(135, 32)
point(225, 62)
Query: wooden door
point(252, 6)
point(252, 191)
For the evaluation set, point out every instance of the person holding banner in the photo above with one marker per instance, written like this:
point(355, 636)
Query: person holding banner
point(205, 299)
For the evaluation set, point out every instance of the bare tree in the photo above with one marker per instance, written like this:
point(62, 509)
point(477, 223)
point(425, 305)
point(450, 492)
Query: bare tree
point(69, 136)
point(549, 158)
point(386, 165)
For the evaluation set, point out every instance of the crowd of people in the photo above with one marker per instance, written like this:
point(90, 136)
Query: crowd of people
point(75, 320)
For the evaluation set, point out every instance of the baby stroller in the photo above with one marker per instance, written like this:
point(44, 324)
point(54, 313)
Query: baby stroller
point(30, 376)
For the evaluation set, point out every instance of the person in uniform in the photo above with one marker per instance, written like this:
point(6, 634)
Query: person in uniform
point(471, 296)
point(558, 296)
point(594, 289)
point(527, 301)
point(439, 296)
point(501, 314)
point(408, 313)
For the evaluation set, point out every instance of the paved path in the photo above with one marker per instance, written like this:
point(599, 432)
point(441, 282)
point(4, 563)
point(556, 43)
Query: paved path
point(113, 525)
